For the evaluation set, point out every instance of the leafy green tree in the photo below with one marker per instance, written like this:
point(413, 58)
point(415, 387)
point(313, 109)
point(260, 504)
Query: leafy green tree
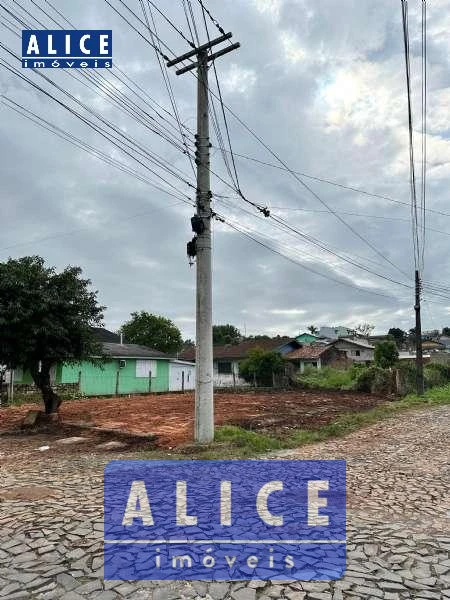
point(225, 334)
point(46, 318)
point(386, 354)
point(446, 331)
point(398, 335)
point(260, 366)
point(153, 331)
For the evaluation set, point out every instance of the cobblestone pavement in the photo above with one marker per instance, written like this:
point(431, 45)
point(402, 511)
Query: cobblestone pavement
point(398, 522)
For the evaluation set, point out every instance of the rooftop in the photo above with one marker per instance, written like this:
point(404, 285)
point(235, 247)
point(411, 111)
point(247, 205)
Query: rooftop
point(132, 351)
point(360, 342)
point(241, 350)
point(307, 352)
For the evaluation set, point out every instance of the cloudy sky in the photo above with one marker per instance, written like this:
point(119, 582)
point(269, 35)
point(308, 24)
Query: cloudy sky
point(322, 83)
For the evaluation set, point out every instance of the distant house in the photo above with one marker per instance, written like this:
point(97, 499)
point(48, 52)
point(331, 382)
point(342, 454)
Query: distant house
point(228, 357)
point(357, 350)
point(433, 346)
point(317, 356)
point(305, 339)
point(123, 369)
point(333, 333)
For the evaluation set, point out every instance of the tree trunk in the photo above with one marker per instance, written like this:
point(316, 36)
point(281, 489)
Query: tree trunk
point(42, 380)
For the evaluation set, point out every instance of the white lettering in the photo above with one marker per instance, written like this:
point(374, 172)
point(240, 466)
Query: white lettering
point(288, 561)
point(104, 44)
point(181, 560)
point(138, 493)
point(315, 502)
point(252, 562)
point(225, 502)
point(51, 50)
point(68, 40)
point(182, 517)
point(83, 48)
point(261, 503)
point(230, 560)
point(33, 46)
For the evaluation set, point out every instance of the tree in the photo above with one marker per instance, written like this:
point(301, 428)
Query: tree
point(364, 329)
point(153, 331)
point(446, 331)
point(225, 334)
point(260, 366)
point(46, 318)
point(399, 335)
point(386, 354)
point(313, 330)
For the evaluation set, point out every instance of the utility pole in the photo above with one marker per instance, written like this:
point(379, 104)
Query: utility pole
point(201, 245)
point(419, 352)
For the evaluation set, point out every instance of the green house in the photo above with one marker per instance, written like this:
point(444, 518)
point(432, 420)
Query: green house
point(306, 338)
point(128, 369)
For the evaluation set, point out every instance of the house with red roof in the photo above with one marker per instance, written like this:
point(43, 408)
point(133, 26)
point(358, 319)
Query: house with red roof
point(226, 359)
point(317, 356)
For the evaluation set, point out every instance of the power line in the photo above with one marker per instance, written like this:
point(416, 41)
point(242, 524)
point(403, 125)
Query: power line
point(253, 237)
point(424, 125)
point(256, 136)
point(281, 225)
point(125, 103)
point(69, 137)
point(353, 214)
point(107, 135)
point(335, 183)
point(214, 21)
point(412, 177)
point(172, 24)
point(167, 83)
point(81, 144)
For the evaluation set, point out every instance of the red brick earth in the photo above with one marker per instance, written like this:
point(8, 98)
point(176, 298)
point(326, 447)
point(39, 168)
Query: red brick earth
point(171, 416)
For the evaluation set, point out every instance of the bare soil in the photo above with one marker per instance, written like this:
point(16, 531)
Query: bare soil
point(171, 416)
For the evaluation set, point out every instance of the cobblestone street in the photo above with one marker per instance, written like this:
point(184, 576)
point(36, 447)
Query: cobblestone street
point(398, 521)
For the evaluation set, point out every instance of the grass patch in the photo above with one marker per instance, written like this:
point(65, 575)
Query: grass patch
point(235, 442)
point(327, 378)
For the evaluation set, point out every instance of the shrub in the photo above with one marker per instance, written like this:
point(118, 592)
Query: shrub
point(261, 365)
point(384, 382)
point(366, 378)
point(386, 354)
point(407, 372)
point(436, 375)
point(326, 378)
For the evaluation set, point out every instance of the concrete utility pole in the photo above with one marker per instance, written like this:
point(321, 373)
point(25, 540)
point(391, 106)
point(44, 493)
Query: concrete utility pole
point(419, 353)
point(201, 245)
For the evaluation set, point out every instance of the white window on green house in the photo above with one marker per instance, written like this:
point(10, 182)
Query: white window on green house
point(144, 367)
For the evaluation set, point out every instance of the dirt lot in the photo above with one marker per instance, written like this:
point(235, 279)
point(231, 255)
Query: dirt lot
point(170, 416)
